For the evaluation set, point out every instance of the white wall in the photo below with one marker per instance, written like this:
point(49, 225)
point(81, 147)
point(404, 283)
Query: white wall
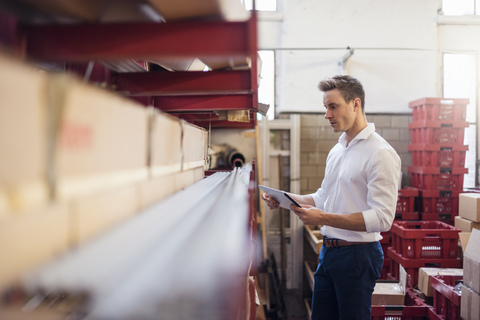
point(397, 47)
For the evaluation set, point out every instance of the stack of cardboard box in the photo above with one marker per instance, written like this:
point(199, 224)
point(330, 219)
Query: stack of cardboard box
point(77, 159)
point(470, 305)
point(469, 212)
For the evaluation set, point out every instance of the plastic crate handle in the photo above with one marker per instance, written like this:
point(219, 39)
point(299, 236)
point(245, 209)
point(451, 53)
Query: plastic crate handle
point(446, 170)
point(445, 193)
point(446, 102)
point(394, 310)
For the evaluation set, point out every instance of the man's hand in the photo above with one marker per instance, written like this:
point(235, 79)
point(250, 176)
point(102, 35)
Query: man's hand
point(313, 216)
point(272, 204)
point(309, 215)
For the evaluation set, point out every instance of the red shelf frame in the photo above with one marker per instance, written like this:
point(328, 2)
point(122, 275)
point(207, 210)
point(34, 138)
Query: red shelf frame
point(172, 92)
point(224, 82)
point(118, 41)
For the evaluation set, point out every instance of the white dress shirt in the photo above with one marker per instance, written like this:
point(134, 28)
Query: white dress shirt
point(362, 177)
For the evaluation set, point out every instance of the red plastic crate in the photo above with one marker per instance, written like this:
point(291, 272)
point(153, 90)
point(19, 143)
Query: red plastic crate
point(406, 200)
point(407, 216)
point(412, 273)
point(435, 178)
point(439, 109)
point(430, 132)
point(446, 301)
point(411, 266)
point(425, 239)
point(440, 201)
point(414, 309)
point(438, 155)
point(442, 217)
point(387, 238)
point(432, 315)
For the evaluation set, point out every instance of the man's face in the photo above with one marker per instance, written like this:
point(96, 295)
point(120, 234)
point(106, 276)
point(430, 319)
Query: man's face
point(340, 114)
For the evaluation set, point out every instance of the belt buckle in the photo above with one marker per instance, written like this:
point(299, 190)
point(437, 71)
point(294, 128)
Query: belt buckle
point(332, 243)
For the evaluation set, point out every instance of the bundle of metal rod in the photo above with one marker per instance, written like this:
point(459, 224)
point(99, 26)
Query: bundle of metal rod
point(184, 258)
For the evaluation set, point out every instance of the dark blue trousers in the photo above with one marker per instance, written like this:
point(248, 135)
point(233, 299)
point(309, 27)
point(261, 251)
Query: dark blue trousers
point(344, 281)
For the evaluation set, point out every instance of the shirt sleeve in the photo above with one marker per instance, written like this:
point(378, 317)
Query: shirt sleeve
point(319, 198)
point(382, 183)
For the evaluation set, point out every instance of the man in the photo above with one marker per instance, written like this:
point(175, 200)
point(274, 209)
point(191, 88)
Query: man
point(356, 202)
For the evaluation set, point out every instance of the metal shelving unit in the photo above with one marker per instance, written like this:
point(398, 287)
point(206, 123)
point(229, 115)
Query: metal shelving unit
point(117, 55)
point(196, 96)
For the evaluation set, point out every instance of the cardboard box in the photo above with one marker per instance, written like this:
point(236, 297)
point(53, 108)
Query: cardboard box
point(23, 131)
point(165, 150)
point(469, 206)
point(158, 188)
point(194, 146)
point(466, 225)
point(102, 138)
point(390, 292)
point(470, 305)
point(94, 214)
point(471, 262)
point(60, 137)
point(424, 277)
point(30, 239)
point(17, 313)
point(464, 237)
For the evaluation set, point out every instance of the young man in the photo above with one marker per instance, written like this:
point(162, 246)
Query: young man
point(356, 202)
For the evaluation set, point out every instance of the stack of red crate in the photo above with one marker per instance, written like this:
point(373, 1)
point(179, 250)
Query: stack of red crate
point(407, 204)
point(418, 244)
point(438, 155)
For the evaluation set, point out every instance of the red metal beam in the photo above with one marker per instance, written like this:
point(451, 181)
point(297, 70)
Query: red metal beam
point(139, 40)
point(184, 83)
point(207, 120)
point(203, 103)
point(226, 124)
point(192, 117)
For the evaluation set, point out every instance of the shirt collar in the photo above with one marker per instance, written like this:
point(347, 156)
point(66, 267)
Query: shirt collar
point(364, 134)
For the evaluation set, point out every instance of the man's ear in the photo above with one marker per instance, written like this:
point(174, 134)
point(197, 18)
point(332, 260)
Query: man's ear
point(357, 103)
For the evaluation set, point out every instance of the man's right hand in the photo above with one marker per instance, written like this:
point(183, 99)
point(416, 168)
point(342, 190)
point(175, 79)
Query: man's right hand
point(272, 204)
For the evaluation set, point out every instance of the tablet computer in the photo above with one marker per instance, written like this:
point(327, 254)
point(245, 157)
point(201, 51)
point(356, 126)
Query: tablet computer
point(278, 195)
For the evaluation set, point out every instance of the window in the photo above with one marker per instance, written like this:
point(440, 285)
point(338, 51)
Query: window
point(461, 7)
point(266, 89)
point(261, 5)
point(460, 81)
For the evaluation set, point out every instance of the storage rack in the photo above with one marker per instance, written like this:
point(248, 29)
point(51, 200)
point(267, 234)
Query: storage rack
point(197, 97)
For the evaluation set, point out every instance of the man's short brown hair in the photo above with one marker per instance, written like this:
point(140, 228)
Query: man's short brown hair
point(350, 87)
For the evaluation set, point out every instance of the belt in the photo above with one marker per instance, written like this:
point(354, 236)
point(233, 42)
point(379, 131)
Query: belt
point(333, 243)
